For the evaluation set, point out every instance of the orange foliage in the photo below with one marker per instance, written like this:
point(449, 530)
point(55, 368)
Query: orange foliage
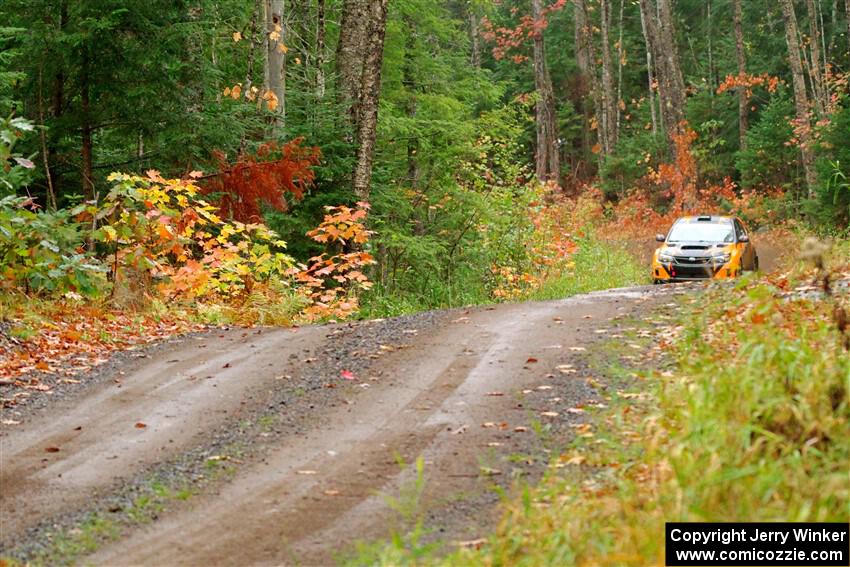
point(262, 178)
point(331, 282)
point(635, 217)
point(748, 82)
point(78, 337)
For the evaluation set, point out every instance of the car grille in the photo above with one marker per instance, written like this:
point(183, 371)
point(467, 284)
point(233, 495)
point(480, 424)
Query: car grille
point(692, 260)
point(693, 271)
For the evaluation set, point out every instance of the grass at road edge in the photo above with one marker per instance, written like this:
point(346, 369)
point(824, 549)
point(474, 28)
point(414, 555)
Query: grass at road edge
point(744, 416)
point(596, 265)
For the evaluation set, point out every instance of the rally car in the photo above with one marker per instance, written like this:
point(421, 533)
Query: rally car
point(703, 247)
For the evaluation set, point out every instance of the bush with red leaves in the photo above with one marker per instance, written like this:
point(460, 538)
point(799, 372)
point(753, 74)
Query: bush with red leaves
point(242, 187)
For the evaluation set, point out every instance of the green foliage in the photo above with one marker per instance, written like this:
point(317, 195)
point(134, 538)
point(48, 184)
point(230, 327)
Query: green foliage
point(834, 168)
point(43, 252)
point(15, 169)
point(770, 159)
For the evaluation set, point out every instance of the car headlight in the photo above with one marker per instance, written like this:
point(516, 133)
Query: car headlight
point(665, 258)
point(722, 258)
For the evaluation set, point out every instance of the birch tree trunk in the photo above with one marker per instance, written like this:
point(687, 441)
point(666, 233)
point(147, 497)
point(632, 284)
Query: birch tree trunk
point(474, 34)
point(743, 103)
point(370, 88)
point(276, 60)
point(801, 99)
point(547, 157)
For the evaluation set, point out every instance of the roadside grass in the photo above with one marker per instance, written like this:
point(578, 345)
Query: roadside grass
point(596, 265)
point(740, 414)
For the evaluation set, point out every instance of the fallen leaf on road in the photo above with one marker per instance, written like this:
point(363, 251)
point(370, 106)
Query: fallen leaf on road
point(494, 444)
point(495, 393)
point(572, 460)
point(10, 422)
point(472, 543)
point(520, 429)
point(306, 472)
point(51, 449)
point(487, 471)
point(347, 374)
point(531, 360)
point(141, 425)
point(588, 317)
point(575, 410)
point(549, 413)
point(331, 492)
point(488, 424)
point(544, 387)
point(577, 348)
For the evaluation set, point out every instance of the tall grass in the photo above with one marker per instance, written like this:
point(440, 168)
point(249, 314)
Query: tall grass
point(747, 418)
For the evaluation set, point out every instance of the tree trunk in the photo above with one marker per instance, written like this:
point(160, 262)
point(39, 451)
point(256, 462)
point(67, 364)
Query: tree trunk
point(801, 100)
point(847, 17)
point(650, 74)
point(275, 61)
point(584, 88)
point(320, 48)
point(409, 82)
point(350, 56)
point(743, 103)
point(370, 88)
point(87, 150)
point(620, 64)
point(609, 105)
point(547, 156)
point(252, 39)
point(659, 31)
point(818, 87)
point(584, 33)
point(474, 34)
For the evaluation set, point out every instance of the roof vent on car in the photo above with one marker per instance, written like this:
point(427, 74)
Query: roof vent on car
point(704, 218)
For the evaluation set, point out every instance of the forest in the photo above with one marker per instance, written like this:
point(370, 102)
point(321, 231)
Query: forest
point(367, 281)
point(453, 120)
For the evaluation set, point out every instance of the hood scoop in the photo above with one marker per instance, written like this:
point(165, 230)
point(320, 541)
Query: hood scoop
point(694, 247)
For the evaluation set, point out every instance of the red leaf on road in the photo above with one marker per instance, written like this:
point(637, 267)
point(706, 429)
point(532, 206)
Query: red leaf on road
point(347, 375)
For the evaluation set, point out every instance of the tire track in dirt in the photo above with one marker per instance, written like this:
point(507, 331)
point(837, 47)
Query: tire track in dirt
point(321, 485)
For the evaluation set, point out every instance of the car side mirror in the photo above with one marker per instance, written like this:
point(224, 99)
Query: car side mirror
point(743, 238)
point(660, 238)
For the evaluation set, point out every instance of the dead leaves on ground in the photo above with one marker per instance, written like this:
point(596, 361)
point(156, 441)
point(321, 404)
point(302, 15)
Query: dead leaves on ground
point(71, 340)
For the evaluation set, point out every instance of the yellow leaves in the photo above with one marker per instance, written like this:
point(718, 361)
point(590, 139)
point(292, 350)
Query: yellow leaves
point(282, 48)
point(110, 234)
point(237, 37)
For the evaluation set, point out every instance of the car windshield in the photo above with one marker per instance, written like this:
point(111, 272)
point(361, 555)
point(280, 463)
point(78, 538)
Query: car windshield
point(701, 232)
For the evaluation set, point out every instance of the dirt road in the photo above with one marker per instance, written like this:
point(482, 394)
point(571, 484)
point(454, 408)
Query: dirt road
point(288, 442)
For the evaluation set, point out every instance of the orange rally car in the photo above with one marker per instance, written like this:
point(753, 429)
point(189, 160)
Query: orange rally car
point(703, 247)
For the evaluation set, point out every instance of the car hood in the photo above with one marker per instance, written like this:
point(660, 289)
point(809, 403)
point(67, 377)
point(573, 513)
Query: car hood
point(695, 249)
